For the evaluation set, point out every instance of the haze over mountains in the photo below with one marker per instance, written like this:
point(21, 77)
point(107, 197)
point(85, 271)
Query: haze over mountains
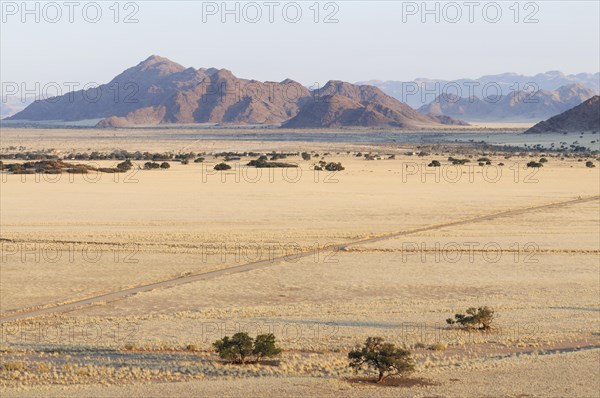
point(422, 91)
point(519, 106)
point(582, 118)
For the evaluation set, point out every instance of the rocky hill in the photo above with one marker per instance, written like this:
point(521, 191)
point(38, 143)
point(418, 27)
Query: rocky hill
point(583, 117)
point(340, 104)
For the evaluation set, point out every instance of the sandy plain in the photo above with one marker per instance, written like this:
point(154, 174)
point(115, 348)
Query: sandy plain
point(74, 238)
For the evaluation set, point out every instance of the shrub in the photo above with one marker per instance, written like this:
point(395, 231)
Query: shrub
point(125, 166)
point(535, 164)
point(238, 348)
point(306, 156)
point(434, 163)
point(543, 160)
point(334, 166)
point(199, 160)
point(475, 318)
point(13, 366)
point(438, 347)
point(383, 357)
point(265, 347)
point(589, 164)
point(151, 165)
point(222, 166)
point(261, 163)
point(165, 165)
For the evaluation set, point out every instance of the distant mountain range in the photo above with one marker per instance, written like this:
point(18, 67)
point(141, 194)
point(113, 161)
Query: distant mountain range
point(515, 107)
point(422, 91)
point(159, 91)
point(582, 118)
point(13, 104)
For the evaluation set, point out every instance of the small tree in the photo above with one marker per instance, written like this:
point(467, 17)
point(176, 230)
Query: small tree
point(475, 318)
point(239, 347)
point(235, 349)
point(306, 156)
point(165, 165)
point(434, 163)
point(265, 347)
point(385, 358)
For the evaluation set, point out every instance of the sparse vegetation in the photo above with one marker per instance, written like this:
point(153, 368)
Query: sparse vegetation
point(385, 358)
point(434, 163)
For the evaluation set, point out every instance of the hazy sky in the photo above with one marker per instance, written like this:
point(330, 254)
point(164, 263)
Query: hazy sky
point(370, 40)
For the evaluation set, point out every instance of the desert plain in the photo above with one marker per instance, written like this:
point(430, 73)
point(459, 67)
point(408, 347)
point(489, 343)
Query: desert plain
point(388, 248)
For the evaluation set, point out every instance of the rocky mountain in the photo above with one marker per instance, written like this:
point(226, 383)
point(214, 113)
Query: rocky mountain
point(159, 91)
point(149, 83)
point(340, 104)
point(583, 117)
point(516, 107)
point(419, 92)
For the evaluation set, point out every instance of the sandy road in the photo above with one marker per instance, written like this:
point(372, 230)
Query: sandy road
point(121, 294)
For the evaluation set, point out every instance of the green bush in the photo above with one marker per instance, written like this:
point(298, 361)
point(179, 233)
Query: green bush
point(199, 160)
point(434, 163)
point(535, 164)
point(589, 164)
point(383, 357)
point(222, 166)
point(475, 318)
point(240, 347)
point(262, 163)
point(306, 156)
point(165, 165)
point(151, 165)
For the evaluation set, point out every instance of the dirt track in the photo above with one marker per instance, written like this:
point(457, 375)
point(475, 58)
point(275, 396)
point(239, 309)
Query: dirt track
point(121, 294)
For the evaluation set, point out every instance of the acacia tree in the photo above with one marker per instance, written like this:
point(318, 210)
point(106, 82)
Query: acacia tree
point(264, 346)
point(235, 349)
point(240, 347)
point(383, 357)
point(475, 318)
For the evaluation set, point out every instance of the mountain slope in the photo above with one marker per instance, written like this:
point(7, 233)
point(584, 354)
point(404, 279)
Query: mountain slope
point(519, 106)
point(147, 84)
point(341, 104)
point(583, 117)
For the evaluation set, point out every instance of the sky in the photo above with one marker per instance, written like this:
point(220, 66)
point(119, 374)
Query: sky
point(308, 42)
